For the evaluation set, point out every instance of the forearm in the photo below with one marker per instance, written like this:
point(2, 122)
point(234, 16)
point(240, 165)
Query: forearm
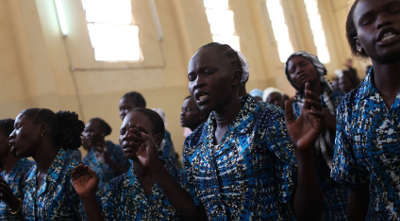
point(308, 198)
point(178, 197)
point(92, 209)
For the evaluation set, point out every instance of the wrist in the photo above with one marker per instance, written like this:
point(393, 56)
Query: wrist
point(88, 198)
point(15, 206)
point(156, 167)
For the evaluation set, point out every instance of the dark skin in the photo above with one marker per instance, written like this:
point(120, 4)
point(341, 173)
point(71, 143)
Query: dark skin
point(140, 145)
point(276, 98)
point(302, 71)
point(8, 161)
point(372, 20)
point(93, 136)
point(214, 86)
point(191, 116)
point(30, 139)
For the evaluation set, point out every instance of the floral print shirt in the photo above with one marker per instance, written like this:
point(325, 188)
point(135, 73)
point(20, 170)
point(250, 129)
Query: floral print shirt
point(15, 179)
point(251, 174)
point(55, 198)
point(368, 148)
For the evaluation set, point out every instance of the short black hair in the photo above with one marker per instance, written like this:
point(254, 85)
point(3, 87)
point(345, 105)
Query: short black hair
point(351, 32)
point(230, 53)
point(157, 124)
point(7, 126)
point(65, 127)
point(103, 124)
point(136, 98)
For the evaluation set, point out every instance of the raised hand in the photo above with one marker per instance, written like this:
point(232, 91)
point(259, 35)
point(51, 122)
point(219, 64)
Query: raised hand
point(147, 153)
point(7, 196)
point(85, 181)
point(305, 129)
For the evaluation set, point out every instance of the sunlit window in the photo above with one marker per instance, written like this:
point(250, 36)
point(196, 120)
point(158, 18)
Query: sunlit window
point(280, 29)
point(317, 30)
point(221, 21)
point(112, 32)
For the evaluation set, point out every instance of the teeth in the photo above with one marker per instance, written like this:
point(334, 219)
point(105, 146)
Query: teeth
point(202, 98)
point(388, 36)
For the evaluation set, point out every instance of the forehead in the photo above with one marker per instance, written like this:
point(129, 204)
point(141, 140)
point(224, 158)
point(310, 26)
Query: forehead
point(138, 119)
point(297, 59)
point(367, 6)
point(207, 56)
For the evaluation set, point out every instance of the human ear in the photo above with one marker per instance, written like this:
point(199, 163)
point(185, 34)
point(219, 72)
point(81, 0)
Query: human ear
point(359, 48)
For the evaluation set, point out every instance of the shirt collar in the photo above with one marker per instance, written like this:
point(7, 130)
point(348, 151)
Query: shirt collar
point(367, 87)
point(242, 122)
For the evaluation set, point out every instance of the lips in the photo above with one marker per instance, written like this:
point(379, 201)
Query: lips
point(201, 97)
point(388, 36)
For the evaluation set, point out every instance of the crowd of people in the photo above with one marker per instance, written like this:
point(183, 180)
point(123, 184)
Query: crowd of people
point(328, 153)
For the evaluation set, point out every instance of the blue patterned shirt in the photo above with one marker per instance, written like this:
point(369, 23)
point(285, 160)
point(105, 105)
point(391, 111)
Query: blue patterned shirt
point(102, 169)
point(368, 148)
point(124, 199)
point(251, 174)
point(335, 194)
point(15, 179)
point(55, 198)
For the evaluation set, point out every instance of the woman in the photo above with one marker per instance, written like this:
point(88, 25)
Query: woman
point(49, 139)
point(13, 172)
point(302, 67)
point(104, 157)
point(241, 164)
point(148, 191)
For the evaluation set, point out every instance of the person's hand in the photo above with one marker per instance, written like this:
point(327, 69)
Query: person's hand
point(7, 195)
point(147, 153)
point(305, 129)
point(85, 181)
point(328, 120)
point(131, 141)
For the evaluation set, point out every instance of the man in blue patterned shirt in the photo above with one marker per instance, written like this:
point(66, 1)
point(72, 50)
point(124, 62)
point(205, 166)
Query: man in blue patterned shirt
point(367, 153)
point(13, 171)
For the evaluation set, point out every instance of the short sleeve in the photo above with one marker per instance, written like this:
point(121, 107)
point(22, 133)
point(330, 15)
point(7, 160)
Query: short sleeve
point(186, 177)
point(344, 166)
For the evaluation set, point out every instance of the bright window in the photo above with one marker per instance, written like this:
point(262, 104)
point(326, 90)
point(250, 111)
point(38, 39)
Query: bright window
point(221, 21)
point(317, 29)
point(280, 29)
point(112, 33)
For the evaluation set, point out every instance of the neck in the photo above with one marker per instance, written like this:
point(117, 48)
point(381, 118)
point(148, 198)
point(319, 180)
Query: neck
point(316, 87)
point(44, 156)
point(9, 162)
point(227, 113)
point(387, 78)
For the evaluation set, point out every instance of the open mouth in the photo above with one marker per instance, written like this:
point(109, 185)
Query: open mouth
point(201, 97)
point(387, 37)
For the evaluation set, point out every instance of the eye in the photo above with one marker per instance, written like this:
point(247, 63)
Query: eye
point(367, 19)
point(192, 76)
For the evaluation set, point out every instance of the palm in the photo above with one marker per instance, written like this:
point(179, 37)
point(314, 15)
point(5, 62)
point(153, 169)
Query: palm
point(84, 180)
point(304, 130)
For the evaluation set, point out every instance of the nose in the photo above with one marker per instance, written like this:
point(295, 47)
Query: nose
point(199, 82)
point(382, 20)
point(12, 135)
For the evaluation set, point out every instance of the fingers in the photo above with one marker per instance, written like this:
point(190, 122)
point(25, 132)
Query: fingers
point(289, 111)
point(312, 99)
point(79, 171)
